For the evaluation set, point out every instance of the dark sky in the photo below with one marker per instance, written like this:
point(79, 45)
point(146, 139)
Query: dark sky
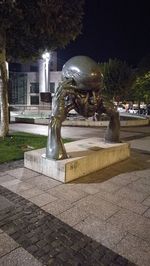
point(112, 29)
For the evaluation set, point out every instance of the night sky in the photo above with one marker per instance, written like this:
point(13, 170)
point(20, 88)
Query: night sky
point(112, 29)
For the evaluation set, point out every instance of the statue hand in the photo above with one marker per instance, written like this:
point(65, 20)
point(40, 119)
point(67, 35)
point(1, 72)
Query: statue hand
point(65, 88)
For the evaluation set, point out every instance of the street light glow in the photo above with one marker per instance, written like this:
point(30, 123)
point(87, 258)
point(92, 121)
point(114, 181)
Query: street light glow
point(46, 56)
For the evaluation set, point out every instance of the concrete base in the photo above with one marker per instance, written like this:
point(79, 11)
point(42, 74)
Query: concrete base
point(85, 157)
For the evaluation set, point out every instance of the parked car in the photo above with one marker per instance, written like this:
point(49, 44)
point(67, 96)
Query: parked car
point(121, 109)
point(148, 109)
point(142, 111)
point(133, 110)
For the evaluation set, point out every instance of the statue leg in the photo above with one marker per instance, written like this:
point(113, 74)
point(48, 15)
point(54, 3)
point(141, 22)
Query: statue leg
point(55, 148)
point(113, 130)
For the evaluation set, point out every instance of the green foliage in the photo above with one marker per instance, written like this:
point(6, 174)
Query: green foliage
point(30, 27)
point(118, 77)
point(141, 88)
point(144, 65)
point(27, 28)
point(13, 146)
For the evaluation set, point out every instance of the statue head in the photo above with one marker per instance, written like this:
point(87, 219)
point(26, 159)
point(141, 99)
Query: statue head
point(85, 73)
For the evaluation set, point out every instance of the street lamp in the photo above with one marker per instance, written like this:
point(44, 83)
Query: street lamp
point(46, 55)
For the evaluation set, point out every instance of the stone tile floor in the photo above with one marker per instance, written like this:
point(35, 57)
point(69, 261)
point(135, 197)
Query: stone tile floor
point(31, 236)
point(101, 219)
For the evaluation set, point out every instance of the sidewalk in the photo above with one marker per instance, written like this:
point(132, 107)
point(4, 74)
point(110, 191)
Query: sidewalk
point(101, 219)
point(80, 132)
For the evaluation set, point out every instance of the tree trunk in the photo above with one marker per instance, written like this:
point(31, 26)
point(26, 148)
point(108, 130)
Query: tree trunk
point(4, 89)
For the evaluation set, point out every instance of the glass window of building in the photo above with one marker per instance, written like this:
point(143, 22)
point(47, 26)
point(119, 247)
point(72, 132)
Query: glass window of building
point(18, 88)
point(34, 68)
point(34, 100)
point(34, 87)
point(52, 87)
point(15, 67)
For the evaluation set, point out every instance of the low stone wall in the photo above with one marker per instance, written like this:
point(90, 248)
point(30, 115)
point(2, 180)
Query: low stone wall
point(137, 122)
point(84, 123)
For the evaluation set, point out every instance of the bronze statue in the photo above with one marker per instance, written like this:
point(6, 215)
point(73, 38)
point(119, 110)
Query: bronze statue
point(80, 89)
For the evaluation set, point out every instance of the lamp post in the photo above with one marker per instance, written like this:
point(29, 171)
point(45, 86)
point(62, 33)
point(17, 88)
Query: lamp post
point(46, 58)
point(44, 77)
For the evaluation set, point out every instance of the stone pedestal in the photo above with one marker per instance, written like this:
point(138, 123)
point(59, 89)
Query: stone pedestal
point(85, 157)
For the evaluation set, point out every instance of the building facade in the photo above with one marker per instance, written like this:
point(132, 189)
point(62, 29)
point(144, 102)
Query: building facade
point(34, 83)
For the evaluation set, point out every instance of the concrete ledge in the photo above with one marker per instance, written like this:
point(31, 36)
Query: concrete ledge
point(85, 157)
point(137, 122)
point(84, 123)
point(88, 123)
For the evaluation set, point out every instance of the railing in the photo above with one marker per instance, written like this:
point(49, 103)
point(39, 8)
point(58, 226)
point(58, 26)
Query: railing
point(24, 107)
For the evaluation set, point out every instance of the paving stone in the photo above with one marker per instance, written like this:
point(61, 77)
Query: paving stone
point(97, 229)
point(4, 167)
point(7, 244)
point(146, 202)
point(11, 183)
point(108, 186)
point(43, 199)
point(108, 196)
point(145, 180)
point(141, 144)
point(135, 249)
point(10, 227)
point(138, 186)
point(125, 178)
point(15, 235)
point(5, 213)
point(66, 253)
point(18, 187)
point(122, 201)
point(133, 223)
point(120, 261)
point(29, 193)
point(4, 178)
point(129, 193)
point(58, 206)
point(4, 203)
point(73, 216)
point(108, 258)
point(147, 213)
point(22, 173)
point(143, 173)
point(99, 253)
point(67, 193)
point(43, 182)
point(90, 188)
point(32, 249)
point(132, 206)
point(3, 173)
point(47, 238)
point(19, 257)
point(98, 207)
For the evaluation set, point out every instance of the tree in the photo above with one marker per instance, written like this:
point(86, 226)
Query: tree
point(141, 88)
point(144, 65)
point(118, 77)
point(27, 28)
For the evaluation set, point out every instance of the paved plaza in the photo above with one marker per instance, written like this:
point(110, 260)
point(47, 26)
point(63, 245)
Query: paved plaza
point(100, 219)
